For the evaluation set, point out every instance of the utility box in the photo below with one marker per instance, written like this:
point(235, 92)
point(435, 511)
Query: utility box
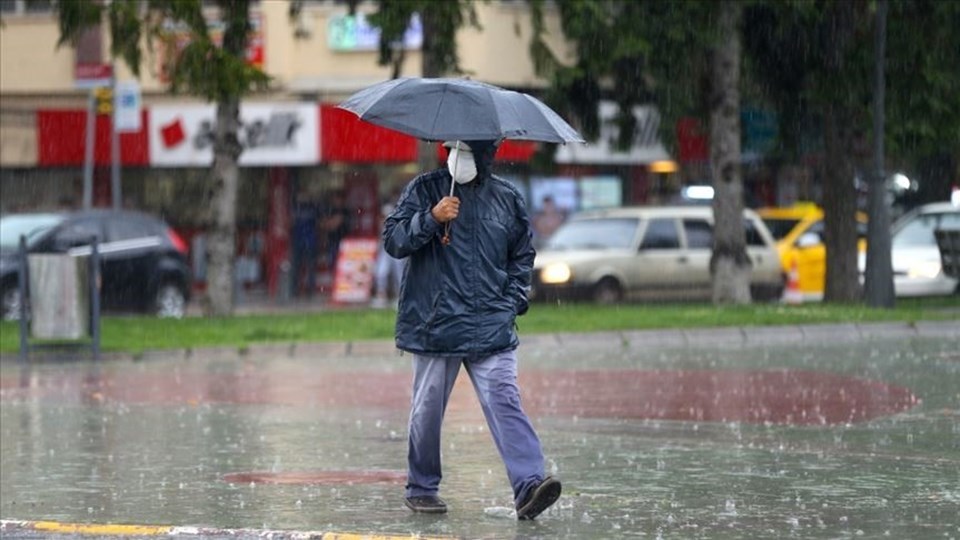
point(60, 296)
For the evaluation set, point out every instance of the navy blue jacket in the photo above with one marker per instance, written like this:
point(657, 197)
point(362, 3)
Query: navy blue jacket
point(461, 299)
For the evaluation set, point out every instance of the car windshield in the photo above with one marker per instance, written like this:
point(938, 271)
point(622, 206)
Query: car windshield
point(29, 225)
point(605, 233)
point(918, 232)
point(780, 227)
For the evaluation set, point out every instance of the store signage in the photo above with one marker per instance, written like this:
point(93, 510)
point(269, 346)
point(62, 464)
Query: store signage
point(126, 107)
point(270, 133)
point(646, 141)
point(92, 75)
point(176, 35)
point(355, 33)
point(353, 280)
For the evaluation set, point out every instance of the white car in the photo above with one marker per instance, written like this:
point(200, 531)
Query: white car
point(917, 270)
point(660, 253)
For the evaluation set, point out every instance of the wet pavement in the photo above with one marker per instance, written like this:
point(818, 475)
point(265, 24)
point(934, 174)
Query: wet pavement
point(818, 432)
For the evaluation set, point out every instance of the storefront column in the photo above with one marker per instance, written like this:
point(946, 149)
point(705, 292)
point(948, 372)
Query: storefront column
point(278, 231)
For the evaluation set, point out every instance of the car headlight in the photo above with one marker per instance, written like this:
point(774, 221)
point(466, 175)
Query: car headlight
point(555, 273)
point(927, 269)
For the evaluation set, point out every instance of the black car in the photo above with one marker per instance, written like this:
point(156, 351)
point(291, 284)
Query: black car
point(144, 264)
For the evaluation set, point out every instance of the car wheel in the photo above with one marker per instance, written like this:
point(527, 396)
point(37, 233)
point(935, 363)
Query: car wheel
point(10, 301)
point(608, 291)
point(170, 301)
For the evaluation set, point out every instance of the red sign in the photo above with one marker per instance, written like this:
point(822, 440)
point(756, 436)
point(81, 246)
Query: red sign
point(89, 75)
point(61, 138)
point(692, 142)
point(346, 138)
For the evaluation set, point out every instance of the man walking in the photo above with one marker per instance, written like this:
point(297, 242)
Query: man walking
point(470, 258)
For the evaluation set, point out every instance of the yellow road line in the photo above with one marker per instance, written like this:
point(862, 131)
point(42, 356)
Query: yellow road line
point(94, 529)
point(108, 529)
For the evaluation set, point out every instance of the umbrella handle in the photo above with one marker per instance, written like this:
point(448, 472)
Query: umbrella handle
point(446, 227)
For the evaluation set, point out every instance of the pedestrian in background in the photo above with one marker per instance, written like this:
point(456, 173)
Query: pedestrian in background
point(335, 225)
point(303, 248)
point(388, 272)
point(470, 257)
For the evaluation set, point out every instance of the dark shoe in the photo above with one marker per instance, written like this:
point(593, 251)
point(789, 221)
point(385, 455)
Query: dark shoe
point(539, 499)
point(426, 504)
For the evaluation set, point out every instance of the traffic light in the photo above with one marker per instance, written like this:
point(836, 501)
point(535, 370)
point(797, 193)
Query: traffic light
point(104, 96)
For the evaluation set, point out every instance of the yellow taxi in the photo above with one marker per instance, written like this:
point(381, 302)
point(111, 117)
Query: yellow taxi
point(798, 230)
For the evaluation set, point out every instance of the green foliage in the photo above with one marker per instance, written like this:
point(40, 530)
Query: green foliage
point(629, 52)
point(440, 20)
point(923, 77)
point(216, 71)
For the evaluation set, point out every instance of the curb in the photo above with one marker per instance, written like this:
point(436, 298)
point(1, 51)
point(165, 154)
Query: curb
point(11, 526)
point(720, 337)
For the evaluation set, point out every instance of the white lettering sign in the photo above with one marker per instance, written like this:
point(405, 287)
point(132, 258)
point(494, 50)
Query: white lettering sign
point(271, 134)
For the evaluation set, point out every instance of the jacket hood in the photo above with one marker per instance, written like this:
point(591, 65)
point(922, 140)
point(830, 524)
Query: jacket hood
point(483, 154)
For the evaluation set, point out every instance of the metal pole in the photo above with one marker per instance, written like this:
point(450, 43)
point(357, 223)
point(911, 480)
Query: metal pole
point(94, 274)
point(24, 288)
point(878, 281)
point(114, 147)
point(88, 150)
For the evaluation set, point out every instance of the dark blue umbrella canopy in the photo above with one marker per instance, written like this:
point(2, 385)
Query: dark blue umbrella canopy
point(458, 109)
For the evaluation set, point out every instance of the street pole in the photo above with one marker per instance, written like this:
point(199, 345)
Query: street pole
point(878, 285)
point(88, 149)
point(114, 146)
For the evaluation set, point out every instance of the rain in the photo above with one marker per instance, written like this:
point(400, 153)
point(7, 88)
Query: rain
point(232, 167)
point(303, 444)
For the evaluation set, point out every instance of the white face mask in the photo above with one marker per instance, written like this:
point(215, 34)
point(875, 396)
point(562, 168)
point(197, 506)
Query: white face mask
point(461, 165)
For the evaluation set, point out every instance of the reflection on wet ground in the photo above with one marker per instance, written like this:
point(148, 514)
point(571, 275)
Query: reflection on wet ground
point(859, 440)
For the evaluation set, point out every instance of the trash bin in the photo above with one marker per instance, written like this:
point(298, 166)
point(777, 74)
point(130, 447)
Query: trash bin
point(59, 296)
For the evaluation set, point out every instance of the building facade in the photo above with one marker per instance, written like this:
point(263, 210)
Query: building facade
point(298, 142)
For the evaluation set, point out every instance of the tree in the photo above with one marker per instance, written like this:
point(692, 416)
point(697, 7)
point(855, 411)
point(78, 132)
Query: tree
point(814, 61)
point(685, 57)
point(729, 263)
point(440, 22)
point(215, 71)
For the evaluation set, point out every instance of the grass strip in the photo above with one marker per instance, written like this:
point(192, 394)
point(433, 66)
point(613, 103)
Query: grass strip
point(138, 334)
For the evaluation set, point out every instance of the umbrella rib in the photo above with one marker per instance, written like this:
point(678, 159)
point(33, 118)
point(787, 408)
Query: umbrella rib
point(436, 114)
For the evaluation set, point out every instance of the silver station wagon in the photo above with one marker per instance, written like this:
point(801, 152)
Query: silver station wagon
point(649, 253)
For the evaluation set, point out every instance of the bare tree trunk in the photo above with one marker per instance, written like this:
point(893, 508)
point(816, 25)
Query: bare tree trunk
point(839, 191)
point(729, 264)
point(878, 281)
point(221, 242)
point(430, 68)
point(839, 212)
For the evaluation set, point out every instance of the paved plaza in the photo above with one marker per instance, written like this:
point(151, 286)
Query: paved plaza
point(833, 431)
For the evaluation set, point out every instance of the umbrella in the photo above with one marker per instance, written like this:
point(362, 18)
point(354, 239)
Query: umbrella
point(458, 109)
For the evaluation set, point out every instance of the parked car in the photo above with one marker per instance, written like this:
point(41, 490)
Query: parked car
point(660, 253)
point(798, 230)
point(917, 268)
point(143, 261)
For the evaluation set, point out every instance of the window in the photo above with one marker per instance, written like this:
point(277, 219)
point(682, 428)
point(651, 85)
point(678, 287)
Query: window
point(128, 228)
point(780, 228)
point(20, 7)
point(661, 234)
point(699, 233)
point(595, 234)
point(919, 231)
point(753, 236)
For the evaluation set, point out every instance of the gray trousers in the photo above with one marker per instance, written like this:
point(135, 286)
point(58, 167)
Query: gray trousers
point(494, 379)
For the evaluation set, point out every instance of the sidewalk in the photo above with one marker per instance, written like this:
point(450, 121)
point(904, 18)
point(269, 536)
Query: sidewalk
point(677, 434)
